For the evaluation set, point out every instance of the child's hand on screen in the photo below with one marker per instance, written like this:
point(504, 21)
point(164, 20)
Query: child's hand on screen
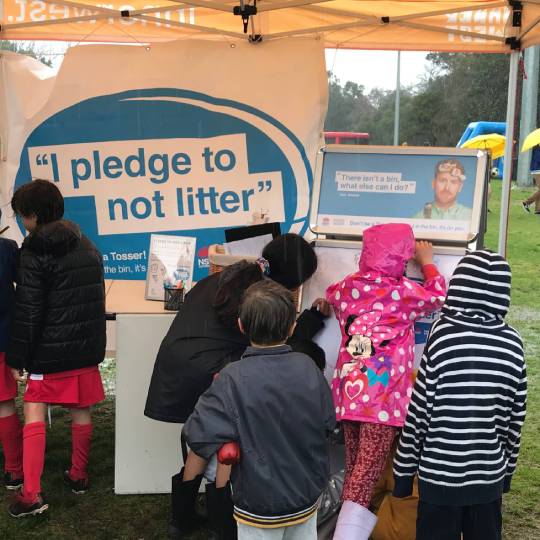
point(323, 306)
point(424, 253)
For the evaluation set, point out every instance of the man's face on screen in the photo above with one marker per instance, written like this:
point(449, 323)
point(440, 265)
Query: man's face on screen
point(446, 188)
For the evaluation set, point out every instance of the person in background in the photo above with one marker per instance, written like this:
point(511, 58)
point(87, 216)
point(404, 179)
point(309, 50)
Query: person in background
point(463, 427)
point(376, 308)
point(277, 406)
point(10, 427)
point(447, 184)
point(535, 172)
point(57, 335)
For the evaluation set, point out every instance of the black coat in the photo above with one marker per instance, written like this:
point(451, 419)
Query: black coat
point(8, 265)
point(59, 317)
point(197, 346)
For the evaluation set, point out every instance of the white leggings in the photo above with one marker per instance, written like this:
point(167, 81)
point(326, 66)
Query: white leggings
point(303, 531)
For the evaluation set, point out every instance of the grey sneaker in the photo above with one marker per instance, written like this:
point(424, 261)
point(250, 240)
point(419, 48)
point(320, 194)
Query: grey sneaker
point(21, 508)
point(12, 483)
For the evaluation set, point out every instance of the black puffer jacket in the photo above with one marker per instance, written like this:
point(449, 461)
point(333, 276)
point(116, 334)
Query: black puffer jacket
point(59, 319)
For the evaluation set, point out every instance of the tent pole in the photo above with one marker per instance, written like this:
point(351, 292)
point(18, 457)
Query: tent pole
point(507, 174)
point(396, 108)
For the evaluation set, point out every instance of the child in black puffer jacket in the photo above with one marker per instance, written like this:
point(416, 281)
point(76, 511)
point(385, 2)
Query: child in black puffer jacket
point(57, 335)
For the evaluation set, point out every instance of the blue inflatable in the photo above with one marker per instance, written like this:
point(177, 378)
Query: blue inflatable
point(480, 128)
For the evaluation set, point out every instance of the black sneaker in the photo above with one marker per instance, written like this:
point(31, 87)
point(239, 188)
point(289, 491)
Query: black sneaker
point(21, 508)
point(11, 483)
point(526, 207)
point(79, 487)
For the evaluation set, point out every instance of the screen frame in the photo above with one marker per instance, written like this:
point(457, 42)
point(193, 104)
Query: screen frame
point(479, 207)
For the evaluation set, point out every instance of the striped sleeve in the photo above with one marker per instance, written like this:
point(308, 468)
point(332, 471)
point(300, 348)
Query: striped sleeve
point(412, 437)
point(514, 429)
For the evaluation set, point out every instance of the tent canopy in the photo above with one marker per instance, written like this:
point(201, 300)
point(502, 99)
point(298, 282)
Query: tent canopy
point(452, 26)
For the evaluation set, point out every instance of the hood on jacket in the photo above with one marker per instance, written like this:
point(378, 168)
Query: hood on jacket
point(386, 249)
point(56, 238)
point(480, 286)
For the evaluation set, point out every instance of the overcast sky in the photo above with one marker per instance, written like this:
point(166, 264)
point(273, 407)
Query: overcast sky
point(372, 69)
point(375, 68)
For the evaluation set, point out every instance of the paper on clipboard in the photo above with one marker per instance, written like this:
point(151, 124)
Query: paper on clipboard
point(248, 246)
point(170, 262)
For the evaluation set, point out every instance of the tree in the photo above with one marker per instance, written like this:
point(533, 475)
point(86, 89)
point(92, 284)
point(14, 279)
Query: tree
point(458, 89)
point(348, 108)
point(29, 49)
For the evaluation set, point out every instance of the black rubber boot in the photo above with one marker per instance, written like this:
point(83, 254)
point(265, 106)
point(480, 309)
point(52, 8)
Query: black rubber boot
point(183, 496)
point(220, 512)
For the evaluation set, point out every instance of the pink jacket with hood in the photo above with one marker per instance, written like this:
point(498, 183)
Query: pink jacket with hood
point(377, 308)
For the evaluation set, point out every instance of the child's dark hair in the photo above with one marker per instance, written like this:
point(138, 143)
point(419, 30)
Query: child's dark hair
point(292, 260)
point(40, 198)
point(267, 313)
point(233, 282)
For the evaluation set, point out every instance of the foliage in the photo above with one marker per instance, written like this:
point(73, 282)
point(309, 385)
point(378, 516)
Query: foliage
point(29, 48)
point(458, 89)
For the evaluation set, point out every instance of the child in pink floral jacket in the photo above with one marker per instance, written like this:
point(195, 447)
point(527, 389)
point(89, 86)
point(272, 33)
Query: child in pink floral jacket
point(377, 308)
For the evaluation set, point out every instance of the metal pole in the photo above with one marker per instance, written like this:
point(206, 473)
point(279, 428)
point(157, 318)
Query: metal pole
point(529, 107)
point(396, 108)
point(507, 180)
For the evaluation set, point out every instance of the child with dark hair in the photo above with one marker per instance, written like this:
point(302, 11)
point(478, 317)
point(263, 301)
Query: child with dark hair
point(10, 427)
point(463, 427)
point(291, 260)
point(57, 335)
point(276, 405)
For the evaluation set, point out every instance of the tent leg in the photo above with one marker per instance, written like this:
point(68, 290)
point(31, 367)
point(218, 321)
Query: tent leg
point(507, 174)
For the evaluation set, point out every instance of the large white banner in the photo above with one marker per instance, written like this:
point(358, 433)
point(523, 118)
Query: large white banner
point(185, 137)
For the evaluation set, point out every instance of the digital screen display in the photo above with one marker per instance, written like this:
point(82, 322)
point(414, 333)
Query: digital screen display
point(435, 193)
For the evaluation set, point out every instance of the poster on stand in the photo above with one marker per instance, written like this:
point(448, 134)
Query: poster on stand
point(336, 260)
point(438, 191)
point(170, 264)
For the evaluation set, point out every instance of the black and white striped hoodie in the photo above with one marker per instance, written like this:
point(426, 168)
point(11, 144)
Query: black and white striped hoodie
point(463, 426)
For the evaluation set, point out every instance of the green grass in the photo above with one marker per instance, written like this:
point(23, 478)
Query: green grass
point(522, 504)
point(102, 515)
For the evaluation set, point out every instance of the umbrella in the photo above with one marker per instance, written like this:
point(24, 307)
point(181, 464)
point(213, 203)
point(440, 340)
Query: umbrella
point(490, 141)
point(532, 139)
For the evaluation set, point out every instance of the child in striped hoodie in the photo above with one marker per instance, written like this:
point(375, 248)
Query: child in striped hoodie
point(462, 431)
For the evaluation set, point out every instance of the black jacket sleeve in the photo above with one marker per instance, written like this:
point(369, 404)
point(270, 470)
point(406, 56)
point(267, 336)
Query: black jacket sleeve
point(327, 405)
point(30, 306)
point(309, 324)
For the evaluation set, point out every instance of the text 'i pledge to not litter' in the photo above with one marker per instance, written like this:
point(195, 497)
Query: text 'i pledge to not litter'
point(162, 184)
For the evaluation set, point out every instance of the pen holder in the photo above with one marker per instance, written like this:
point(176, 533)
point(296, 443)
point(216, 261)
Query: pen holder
point(173, 298)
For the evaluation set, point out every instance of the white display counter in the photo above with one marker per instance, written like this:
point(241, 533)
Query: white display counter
point(147, 452)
